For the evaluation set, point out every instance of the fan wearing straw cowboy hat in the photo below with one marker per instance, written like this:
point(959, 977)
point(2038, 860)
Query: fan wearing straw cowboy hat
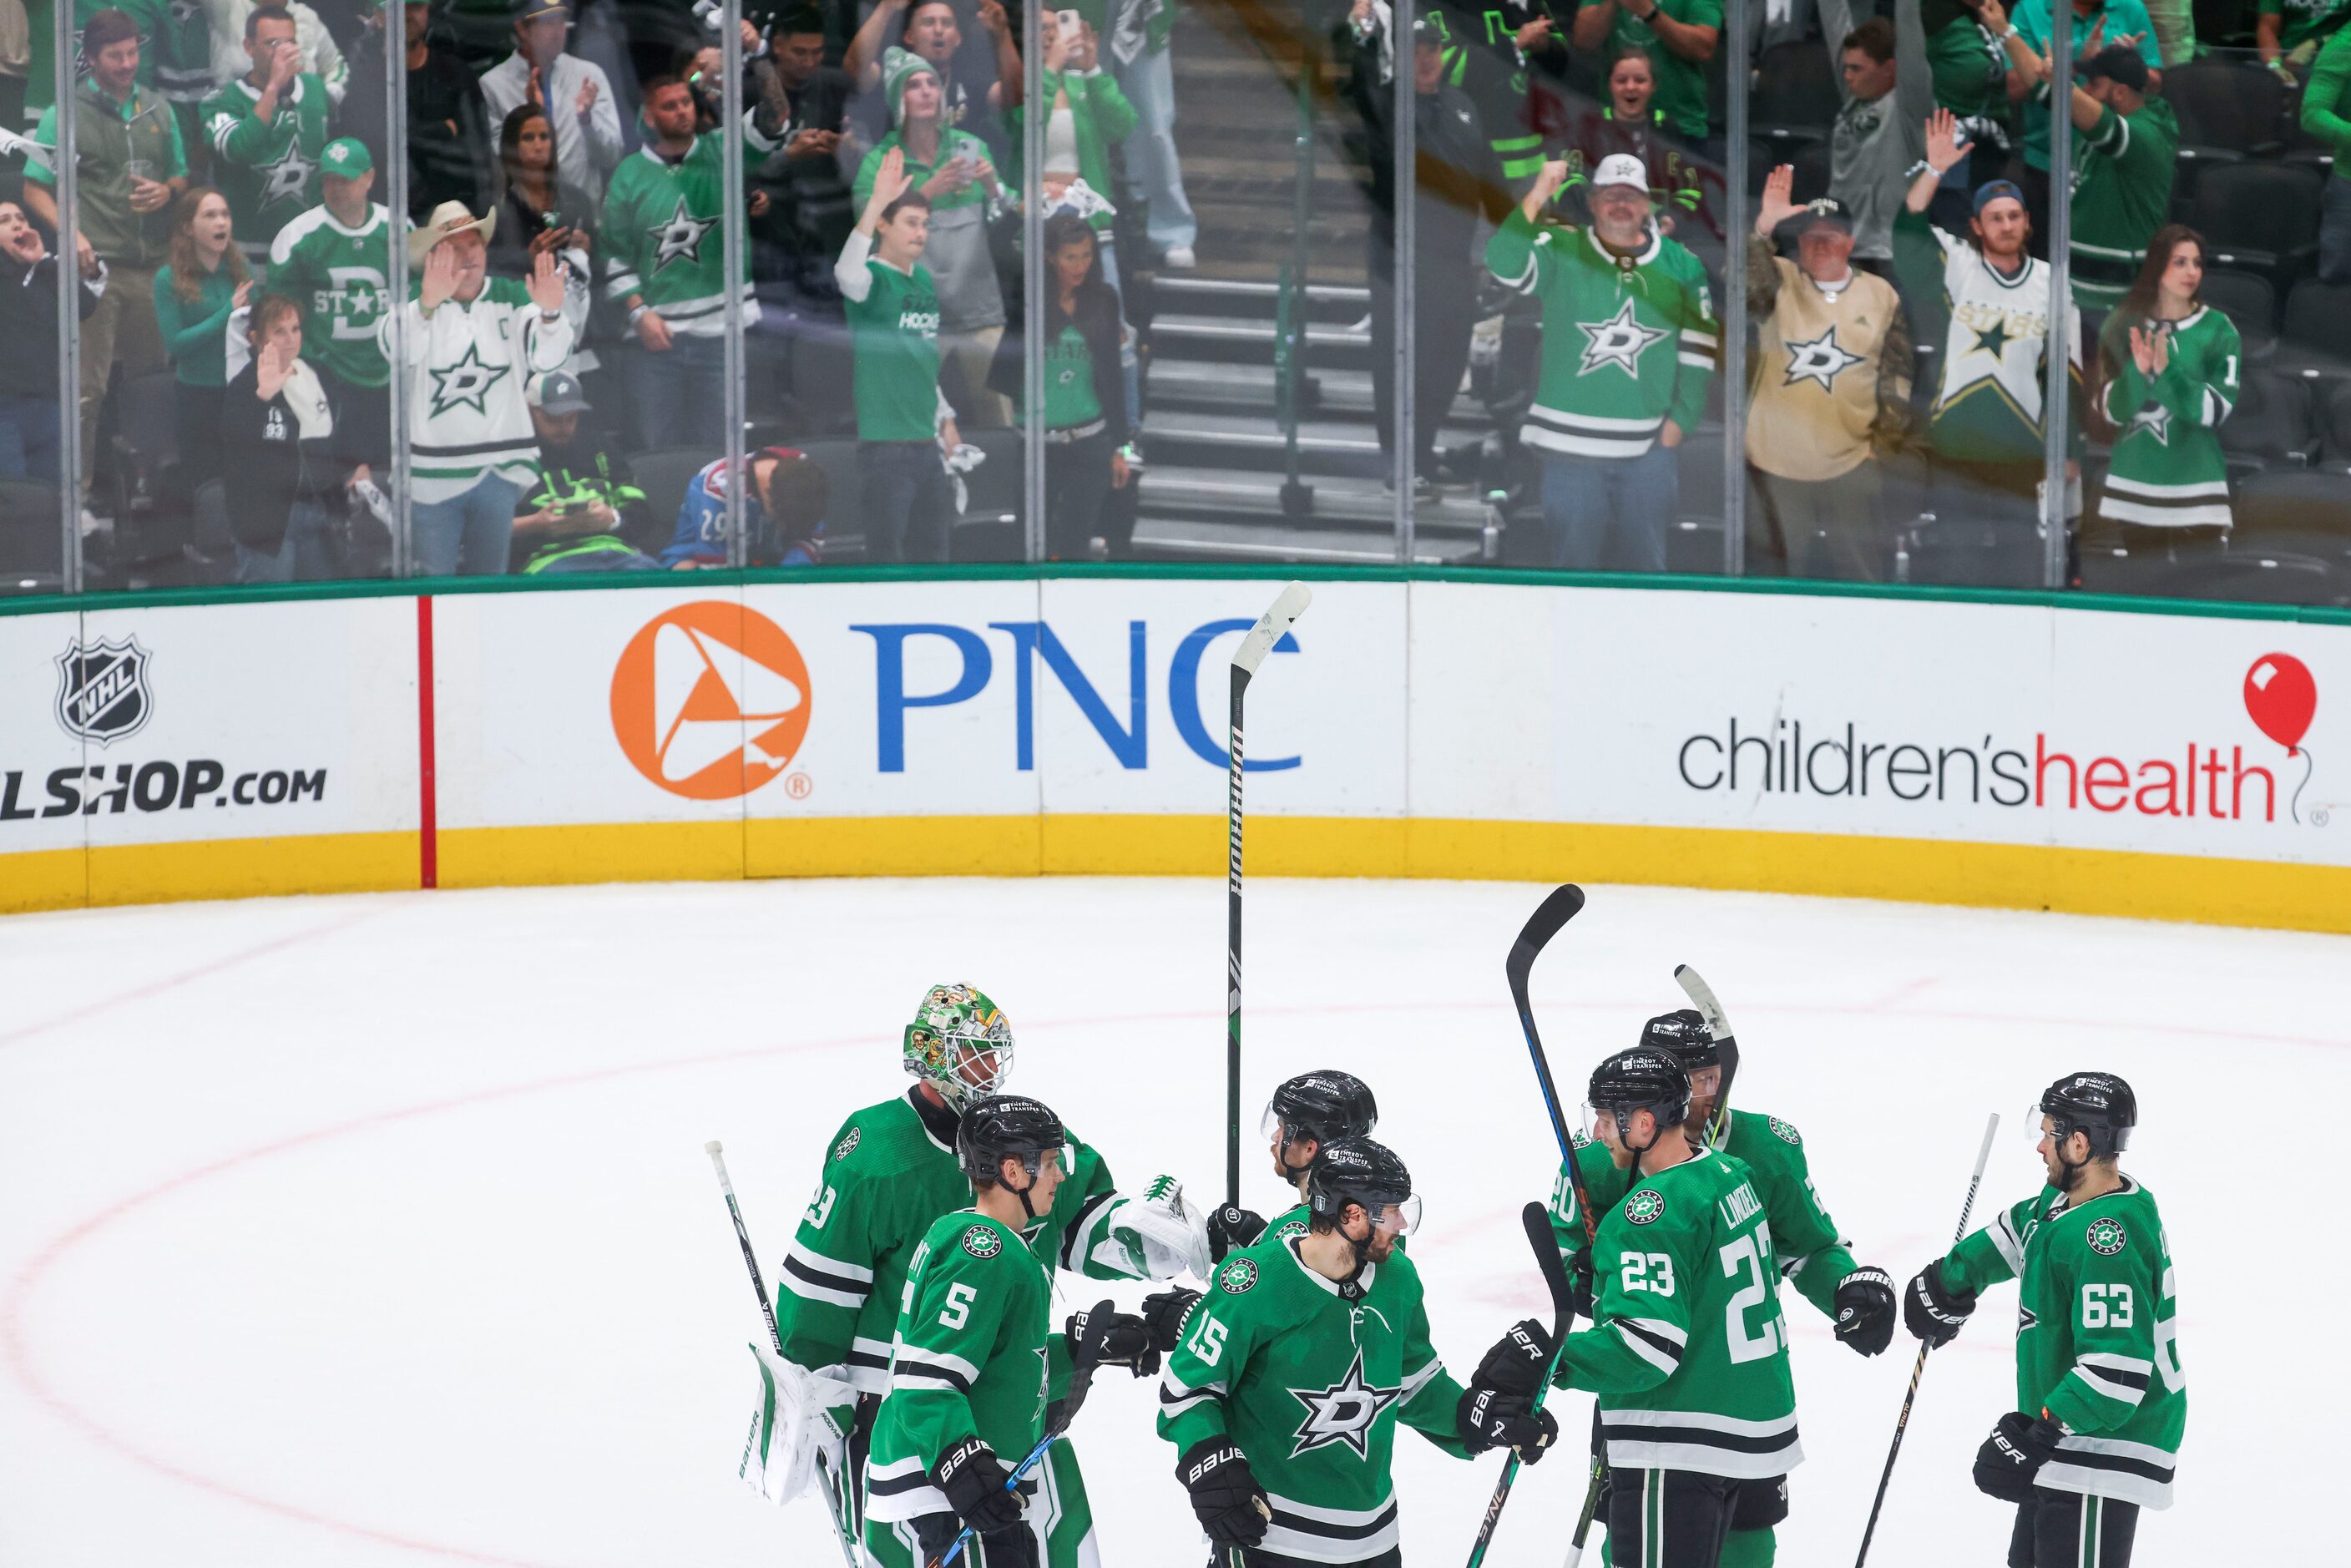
point(473, 344)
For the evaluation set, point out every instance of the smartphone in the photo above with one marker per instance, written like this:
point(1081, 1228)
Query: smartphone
point(1071, 23)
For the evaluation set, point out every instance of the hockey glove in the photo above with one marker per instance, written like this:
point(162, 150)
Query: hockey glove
point(974, 1479)
point(1226, 1498)
point(1164, 1312)
point(1931, 1310)
point(1489, 1418)
point(1582, 1298)
point(1864, 1310)
point(1231, 1226)
point(1104, 1336)
point(2019, 1446)
point(1516, 1362)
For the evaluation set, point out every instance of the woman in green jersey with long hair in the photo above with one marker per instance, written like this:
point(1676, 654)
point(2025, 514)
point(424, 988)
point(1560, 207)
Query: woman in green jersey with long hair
point(2168, 371)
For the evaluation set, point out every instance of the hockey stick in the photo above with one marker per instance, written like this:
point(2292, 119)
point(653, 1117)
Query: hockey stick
point(1271, 628)
point(1537, 1219)
point(825, 1477)
point(1902, 1422)
point(1726, 1045)
point(1081, 1384)
point(1559, 906)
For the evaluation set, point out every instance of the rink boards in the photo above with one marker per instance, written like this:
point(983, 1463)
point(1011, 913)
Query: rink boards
point(2019, 754)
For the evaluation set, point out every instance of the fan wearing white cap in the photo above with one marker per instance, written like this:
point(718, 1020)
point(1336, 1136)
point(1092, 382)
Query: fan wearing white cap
point(472, 341)
point(1629, 343)
point(575, 93)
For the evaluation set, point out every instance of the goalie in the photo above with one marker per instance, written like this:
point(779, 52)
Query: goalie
point(888, 1175)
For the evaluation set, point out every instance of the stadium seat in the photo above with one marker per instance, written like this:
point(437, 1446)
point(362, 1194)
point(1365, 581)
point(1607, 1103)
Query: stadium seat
point(1795, 98)
point(2251, 305)
point(2335, 428)
point(2299, 514)
point(1811, 160)
point(2263, 217)
point(2229, 107)
point(2316, 334)
point(31, 537)
point(2271, 427)
point(991, 528)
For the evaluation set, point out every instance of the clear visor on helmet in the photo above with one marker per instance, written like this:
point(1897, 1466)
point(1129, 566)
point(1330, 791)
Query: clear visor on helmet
point(979, 1061)
point(1704, 1082)
point(1268, 1126)
point(1601, 1121)
point(1400, 1218)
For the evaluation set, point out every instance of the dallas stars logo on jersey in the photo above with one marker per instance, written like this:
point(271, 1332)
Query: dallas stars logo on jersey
point(1644, 1207)
point(465, 384)
point(1821, 361)
point(1620, 340)
point(680, 238)
point(1238, 1277)
point(848, 1146)
point(1342, 1413)
point(982, 1242)
point(2105, 1237)
point(287, 178)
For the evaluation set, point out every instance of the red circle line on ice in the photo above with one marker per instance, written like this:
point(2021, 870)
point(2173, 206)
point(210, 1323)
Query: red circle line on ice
point(50, 1253)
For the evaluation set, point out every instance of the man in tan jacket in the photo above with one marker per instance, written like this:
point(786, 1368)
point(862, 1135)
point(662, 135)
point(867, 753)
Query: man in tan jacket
point(1829, 393)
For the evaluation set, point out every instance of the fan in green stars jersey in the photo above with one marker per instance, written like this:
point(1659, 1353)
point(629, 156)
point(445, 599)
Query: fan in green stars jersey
point(888, 1174)
point(1689, 1348)
point(267, 129)
point(1282, 1398)
point(2101, 1400)
point(1812, 1255)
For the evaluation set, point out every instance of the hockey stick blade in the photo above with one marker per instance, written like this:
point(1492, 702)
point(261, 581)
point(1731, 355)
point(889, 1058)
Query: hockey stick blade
point(1701, 996)
point(1272, 626)
point(1559, 906)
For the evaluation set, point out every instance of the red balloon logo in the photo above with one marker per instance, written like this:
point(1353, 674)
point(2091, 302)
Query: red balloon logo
point(2281, 697)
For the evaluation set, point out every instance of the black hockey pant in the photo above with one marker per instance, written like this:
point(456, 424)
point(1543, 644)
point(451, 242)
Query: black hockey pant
point(2066, 1530)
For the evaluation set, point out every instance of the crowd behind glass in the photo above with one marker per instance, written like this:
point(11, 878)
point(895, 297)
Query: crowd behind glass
point(692, 284)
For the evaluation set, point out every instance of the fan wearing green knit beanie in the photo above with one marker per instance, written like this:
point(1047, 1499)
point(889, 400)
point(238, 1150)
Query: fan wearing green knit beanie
point(952, 169)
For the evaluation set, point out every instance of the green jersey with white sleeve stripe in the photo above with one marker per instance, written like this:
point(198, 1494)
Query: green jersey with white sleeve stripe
point(1310, 1375)
point(1689, 1348)
point(2096, 1342)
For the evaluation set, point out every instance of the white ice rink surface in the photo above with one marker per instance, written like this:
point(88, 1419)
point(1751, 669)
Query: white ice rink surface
point(378, 1231)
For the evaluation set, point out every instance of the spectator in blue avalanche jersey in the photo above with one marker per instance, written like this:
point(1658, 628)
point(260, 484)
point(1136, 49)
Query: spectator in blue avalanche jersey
point(783, 513)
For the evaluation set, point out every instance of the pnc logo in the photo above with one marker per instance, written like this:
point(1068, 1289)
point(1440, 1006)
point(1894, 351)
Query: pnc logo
point(710, 700)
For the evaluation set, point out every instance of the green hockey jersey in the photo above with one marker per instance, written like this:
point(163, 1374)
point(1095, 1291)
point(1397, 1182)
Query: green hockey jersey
point(1996, 332)
point(2122, 195)
point(895, 333)
point(969, 1360)
point(2097, 1337)
point(888, 1175)
point(340, 276)
point(1812, 1256)
point(269, 169)
point(661, 238)
point(1689, 1348)
point(2169, 470)
point(1628, 342)
point(1310, 1377)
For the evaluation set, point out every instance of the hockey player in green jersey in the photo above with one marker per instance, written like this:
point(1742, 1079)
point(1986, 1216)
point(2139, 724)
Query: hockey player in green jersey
point(1687, 1349)
point(335, 261)
point(1628, 345)
point(1305, 1113)
point(267, 129)
point(1812, 1255)
point(2171, 365)
point(1282, 1398)
point(2101, 1399)
point(969, 1359)
point(888, 1174)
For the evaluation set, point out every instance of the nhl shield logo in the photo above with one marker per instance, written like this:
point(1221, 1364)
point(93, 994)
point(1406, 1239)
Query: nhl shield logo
point(102, 693)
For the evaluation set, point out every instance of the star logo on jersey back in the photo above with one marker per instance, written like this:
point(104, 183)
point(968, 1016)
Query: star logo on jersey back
point(1822, 360)
point(2155, 421)
point(288, 177)
point(465, 384)
point(680, 237)
point(1620, 341)
point(1343, 1413)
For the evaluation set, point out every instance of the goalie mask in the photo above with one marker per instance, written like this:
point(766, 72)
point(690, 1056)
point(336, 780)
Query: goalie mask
point(960, 1044)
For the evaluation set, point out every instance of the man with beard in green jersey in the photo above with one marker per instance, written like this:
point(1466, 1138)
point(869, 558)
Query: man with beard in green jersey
point(2101, 1399)
point(1282, 1398)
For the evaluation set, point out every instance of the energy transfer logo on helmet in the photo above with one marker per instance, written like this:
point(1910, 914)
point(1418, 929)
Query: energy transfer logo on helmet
point(2107, 1236)
point(710, 700)
point(1644, 1206)
point(960, 1044)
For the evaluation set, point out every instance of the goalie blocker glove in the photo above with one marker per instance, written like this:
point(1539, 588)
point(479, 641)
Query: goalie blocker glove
point(2013, 1456)
point(1489, 1418)
point(976, 1483)
point(1933, 1311)
point(1864, 1310)
point(1164, 1313)
point(1104, 1336)
point(1226, 1499)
